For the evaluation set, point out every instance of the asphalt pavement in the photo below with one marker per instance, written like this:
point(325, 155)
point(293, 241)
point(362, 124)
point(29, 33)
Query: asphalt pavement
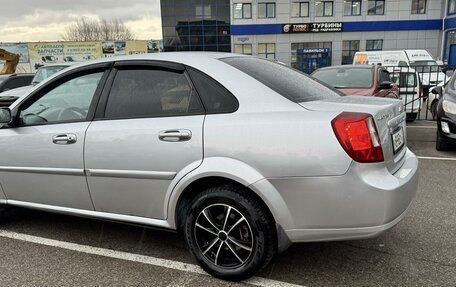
point(44, 249)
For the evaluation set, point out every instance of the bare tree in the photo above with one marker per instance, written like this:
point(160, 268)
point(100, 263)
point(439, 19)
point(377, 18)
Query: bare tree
point(86, 29)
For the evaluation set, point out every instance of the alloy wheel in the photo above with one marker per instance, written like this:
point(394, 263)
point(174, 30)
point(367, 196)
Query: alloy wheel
point(224, 236)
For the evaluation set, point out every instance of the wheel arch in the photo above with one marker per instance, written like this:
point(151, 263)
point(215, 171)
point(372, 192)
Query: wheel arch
point(216, 171)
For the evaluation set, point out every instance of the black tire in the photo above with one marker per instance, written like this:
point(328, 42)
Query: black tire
point(442, 144)
point(256, 231)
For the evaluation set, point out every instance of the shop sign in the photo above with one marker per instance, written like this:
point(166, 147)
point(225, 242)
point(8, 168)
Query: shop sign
point(313, 51)
point(312, 27)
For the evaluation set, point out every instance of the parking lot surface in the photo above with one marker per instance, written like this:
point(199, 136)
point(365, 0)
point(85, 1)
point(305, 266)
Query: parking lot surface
point(43, 249)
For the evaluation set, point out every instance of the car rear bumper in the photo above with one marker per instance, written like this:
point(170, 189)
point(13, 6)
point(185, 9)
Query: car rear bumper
point(362, 203)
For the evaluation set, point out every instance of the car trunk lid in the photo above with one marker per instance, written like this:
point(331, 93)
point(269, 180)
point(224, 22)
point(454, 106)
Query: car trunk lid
point(389, 118)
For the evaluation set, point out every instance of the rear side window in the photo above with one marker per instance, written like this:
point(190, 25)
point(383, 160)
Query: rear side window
point(215, 97)
point(292, 84)
point(151, 93)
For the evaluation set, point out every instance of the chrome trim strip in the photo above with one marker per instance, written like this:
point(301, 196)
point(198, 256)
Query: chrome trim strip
point(45, 170)
point(131, 174)
point(93, 214)
point(3, 201)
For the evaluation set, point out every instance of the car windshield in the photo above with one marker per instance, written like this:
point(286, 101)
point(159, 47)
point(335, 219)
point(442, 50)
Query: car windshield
point(292, 84)
point(350, 77)
point(405, 80)
point(45, 72)
point(425, 66)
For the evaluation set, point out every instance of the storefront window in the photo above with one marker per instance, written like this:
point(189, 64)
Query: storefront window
point(349, 49)
point(313, 45)
point(267, 50)
point(245, 49)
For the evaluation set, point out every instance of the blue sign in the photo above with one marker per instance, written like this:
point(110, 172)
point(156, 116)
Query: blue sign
point(313, 51)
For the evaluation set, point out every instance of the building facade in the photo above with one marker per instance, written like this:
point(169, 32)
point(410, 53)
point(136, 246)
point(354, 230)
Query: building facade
point(307, 34)
point(197, 25)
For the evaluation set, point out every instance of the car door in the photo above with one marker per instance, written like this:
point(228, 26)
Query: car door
point(42, 151)
point(147, 132)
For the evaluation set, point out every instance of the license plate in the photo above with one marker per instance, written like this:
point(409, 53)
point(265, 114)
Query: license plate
point(398, 140)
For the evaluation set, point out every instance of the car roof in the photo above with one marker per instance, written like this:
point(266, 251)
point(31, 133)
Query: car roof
point(177, 57)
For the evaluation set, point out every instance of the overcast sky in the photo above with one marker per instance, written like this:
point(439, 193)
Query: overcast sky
point(45, 20)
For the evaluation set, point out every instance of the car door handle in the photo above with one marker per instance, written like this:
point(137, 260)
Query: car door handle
point(175, 135)
point(64, 139)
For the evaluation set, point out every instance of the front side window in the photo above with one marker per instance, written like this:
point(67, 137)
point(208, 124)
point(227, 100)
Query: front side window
point(324, 8)
point(242, 11)
point(144, 92)
point(419, 6)
point(376, 7)
point(374, 45)
point(266, 10)
point(352, 8)
point(300, 9)
point(266, 50)
point(349, 49)
point(69, 101)
point(245, 49)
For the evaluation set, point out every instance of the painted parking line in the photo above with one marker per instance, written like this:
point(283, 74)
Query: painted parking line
point(437, 158)
point(159, 262)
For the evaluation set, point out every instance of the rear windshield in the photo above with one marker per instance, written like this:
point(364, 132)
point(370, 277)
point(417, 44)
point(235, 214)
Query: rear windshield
point(339, 78)
point(292, 84)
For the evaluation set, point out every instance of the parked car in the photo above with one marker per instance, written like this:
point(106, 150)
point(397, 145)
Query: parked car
point(8, 97)
point(360, 80)
point(242, 155)
point(410, 90)
point(446, 116)
point(434, 96)
point(12, 81)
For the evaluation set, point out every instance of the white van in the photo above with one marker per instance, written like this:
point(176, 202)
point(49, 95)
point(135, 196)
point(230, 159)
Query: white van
point(410, 90)
point(420, 60)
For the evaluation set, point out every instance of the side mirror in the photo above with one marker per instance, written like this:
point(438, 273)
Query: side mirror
point(385, 85)
point(437, 90)
point(5, 116)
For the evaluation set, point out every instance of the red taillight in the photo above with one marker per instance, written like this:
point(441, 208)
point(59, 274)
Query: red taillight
point(358, 136)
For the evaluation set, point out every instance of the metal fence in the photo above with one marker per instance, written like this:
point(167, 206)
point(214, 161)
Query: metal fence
point(415, 89)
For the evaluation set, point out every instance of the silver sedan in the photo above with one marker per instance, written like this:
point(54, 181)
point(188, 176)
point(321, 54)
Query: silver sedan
point(242, 155)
